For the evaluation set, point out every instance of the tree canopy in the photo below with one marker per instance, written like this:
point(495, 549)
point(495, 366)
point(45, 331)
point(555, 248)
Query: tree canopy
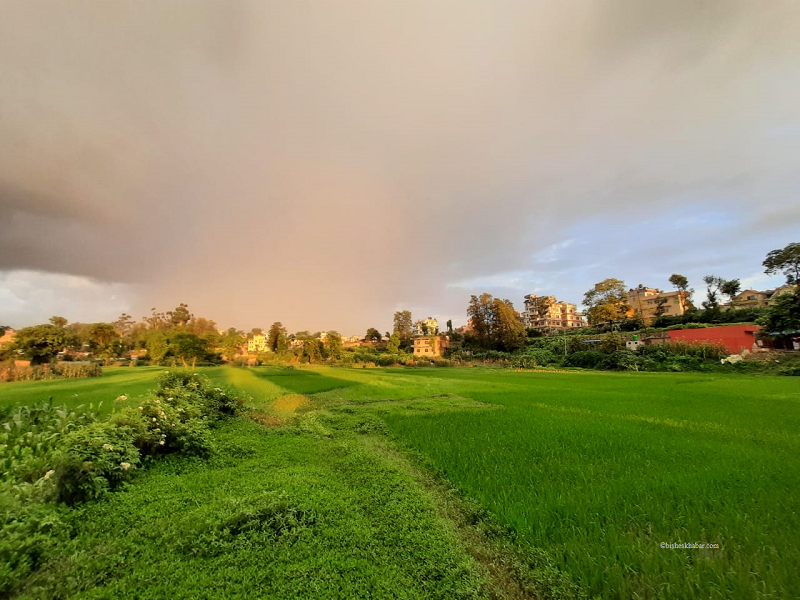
point(607, 302)
point(403, 325)
point(40, 343)
point(785, 260)
point(496, 325)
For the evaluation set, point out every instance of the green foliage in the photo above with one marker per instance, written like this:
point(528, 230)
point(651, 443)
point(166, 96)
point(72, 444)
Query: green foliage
point(93, 460)
point(586, 359)
point(607, 302)
point(403, 325)
point(40, 343)
point(373, 335)
point(783, 315)
point(277, 340)
point(495, 323)
point(785, 260)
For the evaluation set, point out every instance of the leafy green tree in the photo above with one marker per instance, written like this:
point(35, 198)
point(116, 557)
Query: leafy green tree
point(58, 321)
point(449, 326)
point(681, 283)
point(157, 345)
point(731, 289)
point(333, 345)
point(607, 302)
point(231, 343)
point(180, 316)
point(188, 346)
point(101, 338)
point(403, 325)
point(713, 287)
point(496, 325)
point(277, 340)
point(661, 306)
point(394, 343)
point(373, 335)
point(785, 260)
point(201, 326)
point(40, 343)
point(783, 315)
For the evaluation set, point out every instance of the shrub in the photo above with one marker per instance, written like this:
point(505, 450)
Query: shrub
point(71, 370)
point(587, 359)
point(539, 357)
point(93, 460)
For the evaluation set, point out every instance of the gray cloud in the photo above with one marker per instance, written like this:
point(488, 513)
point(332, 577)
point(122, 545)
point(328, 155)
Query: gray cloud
point(324, 164)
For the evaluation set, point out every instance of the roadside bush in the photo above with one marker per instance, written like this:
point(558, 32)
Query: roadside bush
point(538, 357)
point(93, 460)
point(625, 360)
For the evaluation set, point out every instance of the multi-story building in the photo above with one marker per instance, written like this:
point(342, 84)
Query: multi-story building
point(431, 345)
point(257, 343)
point(756, 299)
point(545, 313)
point(649, 303)
point(431, 326)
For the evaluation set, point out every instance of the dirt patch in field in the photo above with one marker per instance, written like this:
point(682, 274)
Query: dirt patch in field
point(266, 419)
point(290, 403)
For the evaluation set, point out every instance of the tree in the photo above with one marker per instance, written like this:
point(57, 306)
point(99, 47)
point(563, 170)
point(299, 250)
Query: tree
point(40, 343)
point(101, 338)
point(681, 284)
point(449, 326)
point(124, 325)
point(157, 345)
point(713, 285)
point(58, 321)
point(495, 323)
point(731, 289)
point(403, 325)
point(394, 343)
point(373, 335)
point(231, 342)
point(188, 346)
point(201, 326)
point(333, 344)
point(783, 315)
point(424, 327)
point(277, 340)
point(180, 316)
point(607, 302)
point(786, 260)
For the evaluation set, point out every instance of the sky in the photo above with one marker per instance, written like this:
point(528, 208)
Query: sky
point(325, 164)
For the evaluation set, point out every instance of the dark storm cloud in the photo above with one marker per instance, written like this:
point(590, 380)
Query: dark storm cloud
point(328, 163)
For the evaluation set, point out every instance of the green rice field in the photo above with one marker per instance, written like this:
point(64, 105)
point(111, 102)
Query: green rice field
point(597, 472)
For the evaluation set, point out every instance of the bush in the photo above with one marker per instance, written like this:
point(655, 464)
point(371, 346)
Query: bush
point(587, 359)
point(93, 460)
point(71, 370)
point(538, 357)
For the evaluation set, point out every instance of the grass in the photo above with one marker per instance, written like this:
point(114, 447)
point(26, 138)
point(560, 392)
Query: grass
point(589, 472)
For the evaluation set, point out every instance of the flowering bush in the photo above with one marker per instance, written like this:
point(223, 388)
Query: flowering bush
point(92, 460)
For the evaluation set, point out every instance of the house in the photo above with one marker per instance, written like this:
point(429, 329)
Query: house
point(257, 343)
point(757, 299)
point(426, 326)
point(553, 315)
point(650, 303)
point(431, 345)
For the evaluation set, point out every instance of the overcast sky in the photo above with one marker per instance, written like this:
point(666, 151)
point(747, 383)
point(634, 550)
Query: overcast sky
point(327, 163)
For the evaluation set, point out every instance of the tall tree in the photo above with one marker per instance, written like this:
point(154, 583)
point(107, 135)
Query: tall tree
point(495, 323)
point(231, 343)
point(58, 321)
point(333, 344)
point(786, 260)
point(180, 316)
point(783, 314)
point(101, 337)
point(607, 302)
point(681, 283)
point(713, 287)
point(394, 343)
point(40, 343)
point(449, 326)
point(277, 340)
point(373, 335)
point(188, 346)
point(731, 289)
point(157, 345)
point(403, 325)
point(661, 307)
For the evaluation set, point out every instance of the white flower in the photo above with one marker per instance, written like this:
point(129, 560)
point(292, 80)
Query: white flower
point(49, 474)
point(168, 400)
point(154, 419)
point(125, 465)
point(218, 389)
point(122, 398)
point(108, 447)
point(158, 401)
point(140, 408)
point(161, 443)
